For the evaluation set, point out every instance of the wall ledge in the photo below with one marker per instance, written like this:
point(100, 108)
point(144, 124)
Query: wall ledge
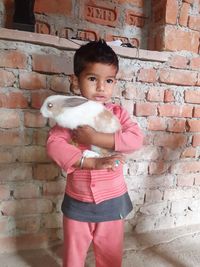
point(54, 41)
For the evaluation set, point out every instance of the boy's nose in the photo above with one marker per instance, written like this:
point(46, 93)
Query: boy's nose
point(100, 86)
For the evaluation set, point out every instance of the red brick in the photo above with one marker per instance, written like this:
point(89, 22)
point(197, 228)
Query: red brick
point(193, 125)
point(177, 39)
point(176, 126)
point(178, 77)
point(133, 92)
point(42, 27)
point(170, 110)
point(147, 75)
point(27, 136)
point(4, 192)
point(30, 80)
point(171, 11)
point(52, 64)
point(153, 195)
point(195, 63)
point(33, 119)
point(134, 18)
point(159, 12)
point(139, 3)
point(13, 59)
point(196, 112)
point(101, 14)
point(60, 84)
point(9, 119)
point(186, 167)
point(169, 96)
point(33, 154)
point(158, 167)
point(25, 206)
point(13, 100)
point(65, 33)
point(15, 172)
point(192, 96)
point(145, 109)
point(54, 188)
point(184, 14)
point(194, 23)
point(172, 141)
point(24, 242)
point(45, 171)
point(37, 98)
point(185, 180)
point(87, 35)
point(52, 221)
point(28, 224)
point(26, 191)
point(178, 62)
point(59, 7)
point(4, 223)
point(8, 155)
point(11, 138)
point(155, 94)
point(189, 1)
point(159, 41)
point(196, 140)
point(39, 136)
point(156, 124)
point(7, 78)
point(125, 74)
point(189, 152)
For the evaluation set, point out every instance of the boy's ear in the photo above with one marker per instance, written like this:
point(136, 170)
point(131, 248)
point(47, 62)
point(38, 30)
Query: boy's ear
point(74, 85)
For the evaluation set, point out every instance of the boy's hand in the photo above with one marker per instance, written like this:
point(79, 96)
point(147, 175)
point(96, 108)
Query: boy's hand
point(110, 162)
point(84, 135)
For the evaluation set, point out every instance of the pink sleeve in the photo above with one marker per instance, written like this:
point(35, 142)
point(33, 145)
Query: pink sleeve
point(129, 137)
point(60, 151)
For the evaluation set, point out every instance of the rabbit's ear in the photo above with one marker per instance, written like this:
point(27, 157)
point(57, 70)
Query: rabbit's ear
point(74, 102)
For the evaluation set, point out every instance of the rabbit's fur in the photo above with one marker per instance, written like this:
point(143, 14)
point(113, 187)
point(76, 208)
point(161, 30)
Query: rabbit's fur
point(73, 111)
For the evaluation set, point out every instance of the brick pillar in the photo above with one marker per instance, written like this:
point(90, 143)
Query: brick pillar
point(174, 26)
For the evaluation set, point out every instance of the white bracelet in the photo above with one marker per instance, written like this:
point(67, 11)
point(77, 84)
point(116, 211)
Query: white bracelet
point(81, 162)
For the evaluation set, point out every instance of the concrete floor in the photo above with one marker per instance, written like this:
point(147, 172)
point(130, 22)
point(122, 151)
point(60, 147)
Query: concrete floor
point(179, 247)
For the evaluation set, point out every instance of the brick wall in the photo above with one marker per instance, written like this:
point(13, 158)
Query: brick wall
point(166, 25)
point(160, 89)
point(175, 25)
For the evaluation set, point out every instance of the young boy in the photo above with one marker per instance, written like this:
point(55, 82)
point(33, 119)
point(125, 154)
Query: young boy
point(96, 198)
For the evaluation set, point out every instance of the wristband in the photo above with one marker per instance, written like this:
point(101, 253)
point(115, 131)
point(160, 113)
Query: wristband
point(81, 162)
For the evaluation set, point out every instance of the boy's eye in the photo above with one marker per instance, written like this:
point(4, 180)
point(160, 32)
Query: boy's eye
point(110, 81)
point(92, 79)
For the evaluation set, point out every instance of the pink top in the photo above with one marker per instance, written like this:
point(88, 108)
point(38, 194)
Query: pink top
point(94, 185)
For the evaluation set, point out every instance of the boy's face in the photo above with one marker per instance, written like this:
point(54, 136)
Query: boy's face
point(96, 82)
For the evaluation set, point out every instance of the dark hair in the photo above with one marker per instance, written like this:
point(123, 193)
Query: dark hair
point(94, 52)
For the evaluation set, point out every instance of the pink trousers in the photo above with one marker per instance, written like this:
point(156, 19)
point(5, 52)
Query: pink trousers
point(107, 239)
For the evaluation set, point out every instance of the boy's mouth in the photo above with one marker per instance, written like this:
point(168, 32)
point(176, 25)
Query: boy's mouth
point(100, 98)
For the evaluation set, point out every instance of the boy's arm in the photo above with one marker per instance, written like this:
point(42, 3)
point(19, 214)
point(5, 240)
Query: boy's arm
point(127, 139)
point(89, 136)
point(68, 157)
point(60, 151)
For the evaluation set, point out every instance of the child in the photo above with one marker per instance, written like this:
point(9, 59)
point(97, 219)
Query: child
point(96, 198)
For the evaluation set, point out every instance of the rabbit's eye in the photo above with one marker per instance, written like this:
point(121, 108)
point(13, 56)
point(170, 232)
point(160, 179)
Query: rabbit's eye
point(50, 105)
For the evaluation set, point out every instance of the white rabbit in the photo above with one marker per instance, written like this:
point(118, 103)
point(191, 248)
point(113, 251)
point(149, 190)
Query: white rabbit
point(73, 111)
